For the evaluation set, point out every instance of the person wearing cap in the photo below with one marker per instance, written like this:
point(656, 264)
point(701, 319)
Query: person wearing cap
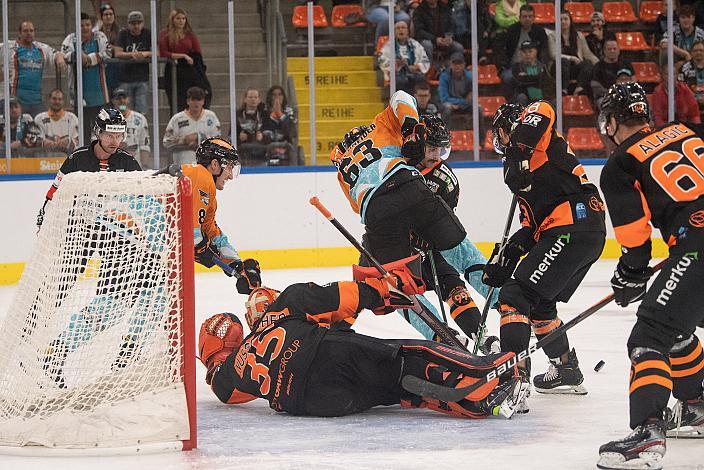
point(606, 71)
point(134, 44)
point(58, 128)
point(137, 128)
point(412, 62)
point(686, 106)
point(508, 45)
point(19, 122)
point(189, 127)
point(530, 80)
point(27, 60)
point(455, 88)
point(595, 39)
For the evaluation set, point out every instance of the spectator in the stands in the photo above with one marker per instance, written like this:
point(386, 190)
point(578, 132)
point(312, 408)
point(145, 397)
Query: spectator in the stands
point(18, 122)
point(108, 25)
point(530, 80)
point(463, 26)
point(509, 44)
point(412, 62)
point(136, 139)
point(577, 58)
point(378, 15)
point(27, 60)
point(421, 92)
point(134, 43)
point(685, 34)
point(188, 128)
point(507, 14)
point(58, 127)
point(179, 43)
point(606, 71)
point(692, 73)
point(686, 107)
point(455, 88)
point(250, 119)
point(434, 29)
point(278, 128)
point(596, 37)
point(94, 52)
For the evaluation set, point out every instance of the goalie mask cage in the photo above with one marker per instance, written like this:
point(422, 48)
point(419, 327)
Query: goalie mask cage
point(99, 341)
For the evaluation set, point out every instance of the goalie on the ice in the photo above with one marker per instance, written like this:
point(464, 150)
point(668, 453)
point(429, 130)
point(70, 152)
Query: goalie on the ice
point(300, 366)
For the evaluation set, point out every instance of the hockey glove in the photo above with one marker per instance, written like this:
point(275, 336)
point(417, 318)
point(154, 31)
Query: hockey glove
point(251, 275)
point(517, 175)
point(629, 284)
point(204, 253)
point(395, 292)
point(413, 147)
point(501, 264)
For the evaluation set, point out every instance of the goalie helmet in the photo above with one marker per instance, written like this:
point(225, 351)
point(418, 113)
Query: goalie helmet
point(506, 118)
point(624, 101)
point(259, 300)
point(109, 119)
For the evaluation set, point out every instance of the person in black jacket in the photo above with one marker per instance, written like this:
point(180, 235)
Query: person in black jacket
point(508, 44)
point(434, 28)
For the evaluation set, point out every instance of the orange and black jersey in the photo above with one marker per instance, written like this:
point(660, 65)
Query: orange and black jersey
point(273, 361)
point(656, 176)
point(442, 181)
point(561, 197)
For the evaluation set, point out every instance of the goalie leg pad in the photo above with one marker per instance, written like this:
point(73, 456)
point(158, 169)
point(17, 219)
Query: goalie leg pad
point(219, 336)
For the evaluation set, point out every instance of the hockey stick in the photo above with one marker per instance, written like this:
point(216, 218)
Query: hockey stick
point(434, 270)
point(424, 388)
point(481, 332)
point(443, 332)
point(227, 269)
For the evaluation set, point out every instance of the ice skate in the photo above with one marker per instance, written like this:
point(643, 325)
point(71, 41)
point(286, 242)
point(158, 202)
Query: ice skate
point(561, 378)
point(504, 401)
point(686, 419)
point(642, 449)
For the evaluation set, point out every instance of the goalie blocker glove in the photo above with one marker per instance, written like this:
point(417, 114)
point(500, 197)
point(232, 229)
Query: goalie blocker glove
point(629, 284)
point(396, 290)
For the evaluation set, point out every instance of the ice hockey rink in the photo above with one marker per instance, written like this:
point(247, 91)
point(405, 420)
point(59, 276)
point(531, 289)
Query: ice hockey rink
point(559, 432)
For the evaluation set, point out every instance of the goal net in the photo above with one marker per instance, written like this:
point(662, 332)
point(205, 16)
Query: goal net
point(98, 344)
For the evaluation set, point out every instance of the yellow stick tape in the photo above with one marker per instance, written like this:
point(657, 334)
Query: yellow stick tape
point(10, 273)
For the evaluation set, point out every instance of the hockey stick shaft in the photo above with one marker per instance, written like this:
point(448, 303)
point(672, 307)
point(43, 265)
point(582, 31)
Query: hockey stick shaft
point(485, 311)
point(443, 332)
point(227, 269)
point(436, 283)
point(424, 388)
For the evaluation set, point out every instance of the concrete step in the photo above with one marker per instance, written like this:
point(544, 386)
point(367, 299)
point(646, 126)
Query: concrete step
point(331, 96)
point(328, 127)
point(365, 111)
point(218, 48)
point(221, 80)
point(242, 64)
point(337, 80)
point(331, 64)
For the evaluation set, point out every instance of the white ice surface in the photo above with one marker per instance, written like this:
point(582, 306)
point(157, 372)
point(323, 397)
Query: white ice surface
point(560, 432)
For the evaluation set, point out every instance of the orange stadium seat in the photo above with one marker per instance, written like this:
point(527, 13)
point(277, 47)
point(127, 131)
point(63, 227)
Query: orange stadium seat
point(544, 13)
point(584, 138)
point(646, 72)
point(650, 10)
point(492, 8)
point(488, 75)
point(632, 41)
point(576, 106)
point(581, 11)
point(380, 43)
point(340, 12)
point(300, 17)
point(490, 104)
point(462, 140)
point(618, 12)
point(489, 141)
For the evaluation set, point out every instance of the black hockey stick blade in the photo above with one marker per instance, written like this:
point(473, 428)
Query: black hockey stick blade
point(423, 388)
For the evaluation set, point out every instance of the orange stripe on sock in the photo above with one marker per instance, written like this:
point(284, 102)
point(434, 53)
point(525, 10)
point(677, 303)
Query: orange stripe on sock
point(518, 318)
point(650, 380)
point(654, 364)
point(545, 329)
point(688, 372)
point(676, 361)
point(461, 309)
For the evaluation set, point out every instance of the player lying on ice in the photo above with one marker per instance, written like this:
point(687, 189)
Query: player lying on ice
point(301, 366)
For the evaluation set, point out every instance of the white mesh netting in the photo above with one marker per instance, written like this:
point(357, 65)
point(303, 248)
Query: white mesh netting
point(91, 350)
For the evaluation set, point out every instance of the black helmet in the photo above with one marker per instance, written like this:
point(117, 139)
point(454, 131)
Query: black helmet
point(217, 148)
point(109, 120)
point(623, 101)
point(506, 118)
point(436, 133)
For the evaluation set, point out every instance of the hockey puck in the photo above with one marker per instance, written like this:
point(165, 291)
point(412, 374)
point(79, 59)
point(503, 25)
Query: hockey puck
point(599, 365)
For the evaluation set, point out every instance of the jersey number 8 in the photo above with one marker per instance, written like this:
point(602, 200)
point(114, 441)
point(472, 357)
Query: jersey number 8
point(363, 155)
point(682, 180)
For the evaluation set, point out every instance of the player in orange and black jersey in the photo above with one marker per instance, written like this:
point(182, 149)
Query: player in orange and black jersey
point(562, 235)
point(655, 176)
point(216, 163)
point(300, 366)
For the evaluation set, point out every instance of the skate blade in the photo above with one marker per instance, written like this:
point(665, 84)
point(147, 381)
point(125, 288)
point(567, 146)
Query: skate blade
point(687, 432)
point(615, 461)
point(563, 390)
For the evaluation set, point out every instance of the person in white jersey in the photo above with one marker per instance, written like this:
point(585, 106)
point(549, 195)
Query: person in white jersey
point(188, 128)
